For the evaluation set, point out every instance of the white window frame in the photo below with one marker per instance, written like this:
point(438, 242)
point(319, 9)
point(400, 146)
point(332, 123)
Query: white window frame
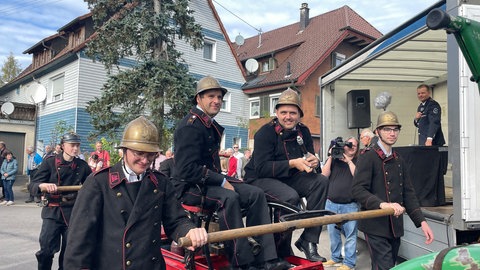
point(57, 88)
point(272, 99)
point(252, 101)
point(227, 101)
point(210, 43)
point(338, 59)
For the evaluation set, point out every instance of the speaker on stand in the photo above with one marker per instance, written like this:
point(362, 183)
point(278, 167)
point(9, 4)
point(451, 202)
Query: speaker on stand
point(358, 109)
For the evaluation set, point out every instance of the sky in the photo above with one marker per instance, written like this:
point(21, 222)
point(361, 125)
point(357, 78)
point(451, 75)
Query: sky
point(23, 23)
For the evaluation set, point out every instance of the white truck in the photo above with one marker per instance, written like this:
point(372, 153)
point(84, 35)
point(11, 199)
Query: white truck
point(408, 56)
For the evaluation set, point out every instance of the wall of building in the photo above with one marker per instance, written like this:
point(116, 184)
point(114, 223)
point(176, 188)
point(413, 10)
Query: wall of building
point(404, 103)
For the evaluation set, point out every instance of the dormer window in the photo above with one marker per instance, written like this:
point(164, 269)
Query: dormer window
point(269, 64)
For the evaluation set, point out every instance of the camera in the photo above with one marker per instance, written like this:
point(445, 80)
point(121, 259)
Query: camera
point(337, 147)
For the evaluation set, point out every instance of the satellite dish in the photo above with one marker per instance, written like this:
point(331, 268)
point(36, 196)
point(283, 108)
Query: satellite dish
point(7, 108)
point(239, 40)
point(36, 93)
point(251, 65)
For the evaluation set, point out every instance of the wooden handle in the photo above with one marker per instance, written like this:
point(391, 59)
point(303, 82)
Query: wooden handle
point(66, 188)
point(221, 236)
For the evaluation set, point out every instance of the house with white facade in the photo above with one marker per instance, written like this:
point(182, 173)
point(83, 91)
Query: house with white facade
point(70, 79)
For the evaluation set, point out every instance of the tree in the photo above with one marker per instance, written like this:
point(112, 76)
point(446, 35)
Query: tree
point(58, 131)
point(144, 31)
point(10, 69)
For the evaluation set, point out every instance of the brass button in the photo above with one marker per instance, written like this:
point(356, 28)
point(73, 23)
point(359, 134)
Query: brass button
point(128, 263)
point(155, 191)
point(128, 245)
point(119, 194)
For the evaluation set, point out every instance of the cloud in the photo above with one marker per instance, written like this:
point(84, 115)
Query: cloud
point(25, 23)
point(385, 15)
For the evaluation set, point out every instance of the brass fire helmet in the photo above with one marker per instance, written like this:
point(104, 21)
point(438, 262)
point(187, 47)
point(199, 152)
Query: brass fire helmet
point(70, 137)
point(289, 97)
point(208, 83)
point(387, 119)
point(140, 135)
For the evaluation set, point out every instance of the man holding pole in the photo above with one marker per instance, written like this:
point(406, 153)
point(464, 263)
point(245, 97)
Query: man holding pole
point(63, 169)
point(117, 219)
point(381, 180)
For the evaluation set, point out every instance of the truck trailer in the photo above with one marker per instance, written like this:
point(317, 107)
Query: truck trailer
point(397, 63)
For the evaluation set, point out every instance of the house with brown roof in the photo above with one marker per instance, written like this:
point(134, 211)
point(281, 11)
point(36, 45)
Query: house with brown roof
point(296, 56)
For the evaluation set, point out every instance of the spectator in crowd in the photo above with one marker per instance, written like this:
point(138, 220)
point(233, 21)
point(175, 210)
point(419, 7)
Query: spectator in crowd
point(168, 165)
point(58, 149)
point(103, 155)
point(199, 181)
point(95, 163)
point(161, 157)
point(116, 220)
point(279, 168)
point(340, 200)
point(33, 161)
point(63, 169)
point(232, 163)
point(247, 154)
point(48, 151)
point(3, 155)
point(381, 180)
point(428, 118)
point(366, 137)
point(238, 155)
point(8, 173)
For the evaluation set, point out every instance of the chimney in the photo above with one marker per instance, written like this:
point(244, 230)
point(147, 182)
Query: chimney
point(304, 18)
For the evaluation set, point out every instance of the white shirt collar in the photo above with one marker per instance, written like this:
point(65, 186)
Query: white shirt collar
point(131, 175)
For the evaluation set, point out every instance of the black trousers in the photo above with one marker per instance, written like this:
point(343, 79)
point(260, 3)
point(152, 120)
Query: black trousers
point(309, 185)
point(53, 237)
point(383, 251)
point(229, 206)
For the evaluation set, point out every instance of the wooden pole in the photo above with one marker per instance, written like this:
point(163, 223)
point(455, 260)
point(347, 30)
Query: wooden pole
point(66, 188)
point(221, 236)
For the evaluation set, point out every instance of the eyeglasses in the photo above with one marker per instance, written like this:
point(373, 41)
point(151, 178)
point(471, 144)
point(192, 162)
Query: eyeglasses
point(140, 155)
point(388, 130)
point(235, 147)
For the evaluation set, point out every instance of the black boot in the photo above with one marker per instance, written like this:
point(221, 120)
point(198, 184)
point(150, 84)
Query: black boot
point(310, 250)
point(277, 264)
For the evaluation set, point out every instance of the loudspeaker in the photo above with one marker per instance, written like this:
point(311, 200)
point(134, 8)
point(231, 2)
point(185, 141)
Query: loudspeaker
point(358, 108)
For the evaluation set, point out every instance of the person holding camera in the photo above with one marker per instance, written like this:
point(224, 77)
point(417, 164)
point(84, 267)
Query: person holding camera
point(95, 163)
point(339, 168)
point(284, 166)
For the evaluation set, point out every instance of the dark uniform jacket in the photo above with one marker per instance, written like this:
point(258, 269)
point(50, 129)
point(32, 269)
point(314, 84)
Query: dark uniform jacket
point(274, 147)
point(429, 125)
point(111, 231)
point(56, 170)
point(196, 157)
point(380, 179)
point(167, 167)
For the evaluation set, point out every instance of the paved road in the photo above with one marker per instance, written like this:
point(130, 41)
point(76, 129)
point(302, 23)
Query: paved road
point(20, 226)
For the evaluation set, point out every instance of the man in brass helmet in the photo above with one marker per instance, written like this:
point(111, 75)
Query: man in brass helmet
point(199, 181)
point(63, 169)
point(287, 170)
point(381, 180)
point(117, 219)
